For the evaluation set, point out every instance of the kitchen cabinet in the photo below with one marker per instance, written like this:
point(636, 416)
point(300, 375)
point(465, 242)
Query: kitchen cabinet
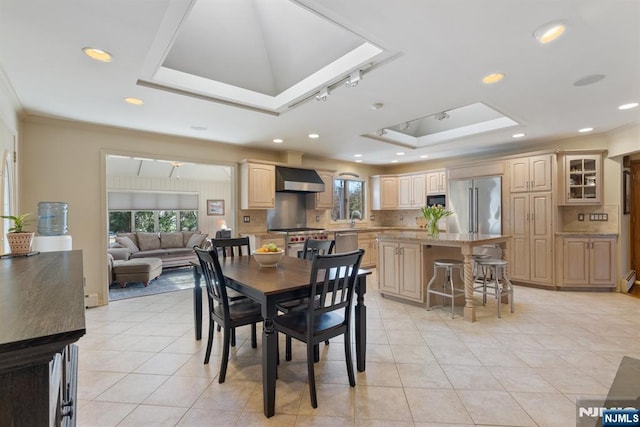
point(588, 261)
point(369, 243)
point(384, 192)
point(532, 237)
point(324, 200)
point(582, 179)
point(436, 182)
point(530, 174)
point(400, 270)
point(411, 191)
point(257, 186)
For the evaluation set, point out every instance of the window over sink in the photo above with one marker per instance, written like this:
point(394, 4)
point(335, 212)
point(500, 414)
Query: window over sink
point(348, 199)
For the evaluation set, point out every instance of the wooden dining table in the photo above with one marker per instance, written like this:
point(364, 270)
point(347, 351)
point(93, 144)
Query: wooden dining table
point(269, 286)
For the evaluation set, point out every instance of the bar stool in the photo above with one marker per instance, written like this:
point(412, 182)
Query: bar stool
point(448, 265)
point(494, 275)
point(476, 258)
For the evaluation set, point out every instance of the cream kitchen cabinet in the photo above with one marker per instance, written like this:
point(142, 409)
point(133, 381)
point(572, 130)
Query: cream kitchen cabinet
point(436, 182)
point(324, 200)
point(400, 270)
point(588, 262)
point(257, 186)
point(530, 173)
point(369, 243)
point(532, 238)
point(384, 192)
point(582, 179)
point(411, 191)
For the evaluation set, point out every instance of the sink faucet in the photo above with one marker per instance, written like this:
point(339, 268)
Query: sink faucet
point(353, 223)
point(355, 215)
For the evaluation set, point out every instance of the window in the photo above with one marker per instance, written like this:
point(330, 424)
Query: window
point(348, 200)
point(152, 220)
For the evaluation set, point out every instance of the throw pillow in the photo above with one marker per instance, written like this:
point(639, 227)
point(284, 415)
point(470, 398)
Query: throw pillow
point(171, 240)
point(186, 235)
point(196, 240)
point(128, 243)
point(131, 236)
point(148, 241)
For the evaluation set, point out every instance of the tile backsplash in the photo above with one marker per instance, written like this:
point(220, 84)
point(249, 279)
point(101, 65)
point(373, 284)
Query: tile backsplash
point(569, 219)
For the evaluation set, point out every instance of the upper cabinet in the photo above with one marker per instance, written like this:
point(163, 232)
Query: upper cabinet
point(437, 182)
point(384, 192)
point(257, 186)
point(582, 179)
point(324, 200)
point(411, 191)
point(530, 174)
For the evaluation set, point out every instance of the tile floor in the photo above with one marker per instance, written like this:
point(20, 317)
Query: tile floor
point(140, 365)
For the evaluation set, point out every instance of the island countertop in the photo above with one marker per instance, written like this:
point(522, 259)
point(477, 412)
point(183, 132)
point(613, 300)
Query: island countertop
point(443, 239)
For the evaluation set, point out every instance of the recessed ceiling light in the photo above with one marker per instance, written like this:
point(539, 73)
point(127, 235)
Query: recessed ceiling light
point(314, 135)
point(134, 101)
point(394, 161)
point(97, 54)
point(518, 135)
point(400, 153)
point(583, 130)
point(377, 106)
point(550, 31)
point(278, 140)
point(357, 155)
point(492, 78)
point(628, 106)
point(424, 156)
point(359, 161)
point(197, 127)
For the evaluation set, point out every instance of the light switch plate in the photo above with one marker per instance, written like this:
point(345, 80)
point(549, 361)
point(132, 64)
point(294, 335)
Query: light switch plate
point(246, 218)
point(580, 217)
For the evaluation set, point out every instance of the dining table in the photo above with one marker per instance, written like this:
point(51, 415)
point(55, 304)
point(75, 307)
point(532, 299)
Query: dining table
point(289, 280)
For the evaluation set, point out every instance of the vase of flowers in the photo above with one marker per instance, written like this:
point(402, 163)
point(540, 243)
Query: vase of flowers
point(433, 214)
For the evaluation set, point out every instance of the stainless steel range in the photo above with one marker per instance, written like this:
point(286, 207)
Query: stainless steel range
point(295, 237)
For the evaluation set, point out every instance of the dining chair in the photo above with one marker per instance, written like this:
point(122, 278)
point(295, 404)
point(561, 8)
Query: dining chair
point(312, 247)
point(232, 247)
point(333, 279)
point(221, 311)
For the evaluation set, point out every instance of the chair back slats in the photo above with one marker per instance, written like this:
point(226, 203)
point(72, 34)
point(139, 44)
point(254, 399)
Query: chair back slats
point(336, 276)
point(313, 247)
point(236, 246)
point(215, 283)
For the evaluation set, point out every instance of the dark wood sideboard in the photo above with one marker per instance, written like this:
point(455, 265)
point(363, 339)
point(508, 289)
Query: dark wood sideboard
point(41, 316)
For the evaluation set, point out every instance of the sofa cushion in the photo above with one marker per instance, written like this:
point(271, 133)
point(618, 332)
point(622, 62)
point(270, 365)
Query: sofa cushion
point(132, 236)
point(126, 242)
point(148, 241)
point(154, 253)
point(171, 240)
point(195, 240)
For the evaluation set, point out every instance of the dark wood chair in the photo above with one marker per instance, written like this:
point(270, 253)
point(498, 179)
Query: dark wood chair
point(312, 247)
point(333, 280)
point(231, 247)
point(230, 316)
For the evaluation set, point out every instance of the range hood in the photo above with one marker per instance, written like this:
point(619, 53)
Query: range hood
point(295, 180)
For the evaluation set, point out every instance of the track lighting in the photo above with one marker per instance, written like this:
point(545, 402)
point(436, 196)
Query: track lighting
point(324, 93)
point(353, 79)
point(382, 132)
point(441, 116)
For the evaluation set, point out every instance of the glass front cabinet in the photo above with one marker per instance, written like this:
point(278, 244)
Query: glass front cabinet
point(583, 179)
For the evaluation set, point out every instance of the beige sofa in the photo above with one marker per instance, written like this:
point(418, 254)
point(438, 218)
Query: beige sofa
point(174, 249)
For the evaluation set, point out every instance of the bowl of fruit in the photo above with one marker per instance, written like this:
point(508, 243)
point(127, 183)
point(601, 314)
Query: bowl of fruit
point(268, 255)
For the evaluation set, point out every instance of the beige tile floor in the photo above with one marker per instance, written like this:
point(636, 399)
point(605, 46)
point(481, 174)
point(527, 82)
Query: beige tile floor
point(140, 365)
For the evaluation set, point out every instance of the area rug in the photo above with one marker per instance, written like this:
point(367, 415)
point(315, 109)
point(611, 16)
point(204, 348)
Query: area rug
point(173, 279)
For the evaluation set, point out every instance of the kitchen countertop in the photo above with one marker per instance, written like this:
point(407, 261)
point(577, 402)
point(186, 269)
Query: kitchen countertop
point(443, 238)
point(585, 233)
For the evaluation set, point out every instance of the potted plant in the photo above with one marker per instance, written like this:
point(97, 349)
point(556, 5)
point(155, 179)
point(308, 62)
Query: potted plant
point(19, 239)
point(433, 214)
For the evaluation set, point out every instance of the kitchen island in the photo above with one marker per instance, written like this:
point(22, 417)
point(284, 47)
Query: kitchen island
point(405, 259)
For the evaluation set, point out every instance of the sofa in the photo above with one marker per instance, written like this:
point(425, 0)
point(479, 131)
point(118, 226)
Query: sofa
point(174, 249)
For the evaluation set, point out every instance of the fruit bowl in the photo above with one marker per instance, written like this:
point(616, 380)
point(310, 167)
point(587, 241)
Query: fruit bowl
point(268, 259)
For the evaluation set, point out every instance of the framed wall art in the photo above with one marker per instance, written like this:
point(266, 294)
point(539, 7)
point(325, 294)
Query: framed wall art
point(215, 207)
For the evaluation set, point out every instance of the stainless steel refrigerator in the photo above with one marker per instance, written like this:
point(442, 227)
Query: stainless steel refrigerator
point(476, 205)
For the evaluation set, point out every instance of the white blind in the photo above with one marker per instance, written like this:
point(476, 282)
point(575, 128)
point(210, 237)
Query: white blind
point(125, 201)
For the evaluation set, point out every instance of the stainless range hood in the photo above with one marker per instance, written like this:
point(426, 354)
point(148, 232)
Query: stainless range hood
point(295, 180)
